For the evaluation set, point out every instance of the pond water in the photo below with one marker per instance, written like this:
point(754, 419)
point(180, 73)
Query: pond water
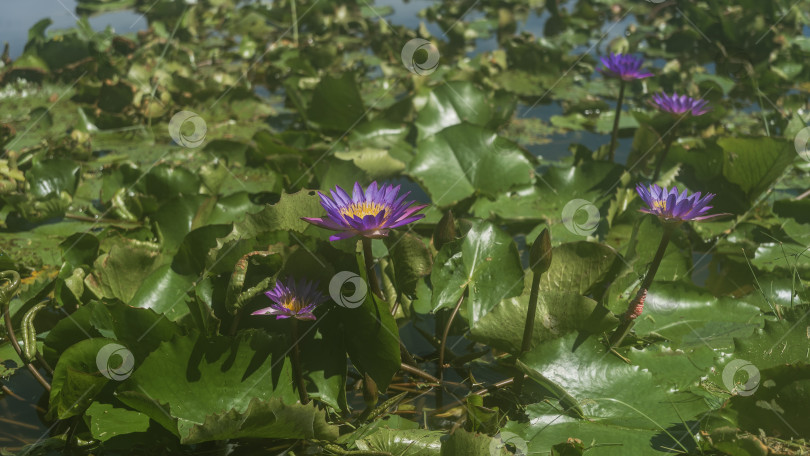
point(18, 18)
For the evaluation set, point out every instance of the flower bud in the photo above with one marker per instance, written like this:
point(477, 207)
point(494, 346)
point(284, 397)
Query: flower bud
point(370, 393)
point(540, 253)
point(445, 230)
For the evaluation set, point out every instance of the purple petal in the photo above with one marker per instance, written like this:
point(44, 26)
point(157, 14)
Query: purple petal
point(406, 221)
point(704, 217)
point(341, 197)
point(682, 207)
point(357, 193)
point(326, 202)
point(343, 235)
point(371, 192)
point(324, 223)
point(407, 212)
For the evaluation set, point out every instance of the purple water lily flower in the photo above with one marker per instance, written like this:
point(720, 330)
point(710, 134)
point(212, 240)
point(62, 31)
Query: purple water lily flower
point(670, 206)
point(623, 66)
point(680, 104)
point(370, 214)
point(291, 298)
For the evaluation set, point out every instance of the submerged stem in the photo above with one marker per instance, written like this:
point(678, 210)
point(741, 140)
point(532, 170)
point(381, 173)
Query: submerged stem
point(615, 134)
point(418, 372)
point(499, 385)
point(446, 333)
point(298, 372)
point(443, 347)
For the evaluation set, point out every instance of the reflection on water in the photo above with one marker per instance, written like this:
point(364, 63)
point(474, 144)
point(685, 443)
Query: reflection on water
point(19, 413)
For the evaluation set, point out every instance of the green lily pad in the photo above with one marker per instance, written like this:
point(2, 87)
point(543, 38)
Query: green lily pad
point(407, 442)
point(463, 159)
point(336, 103)
point(77, 377)
point(755, 163)
point(411, 258)
point(576, 270)
point(271, 418)
point(590, 182)
point(453, 103)
point(778, 342)
point(51, 177)
point(193, 386)
point(107, 421)
point(486, 263)
point(626, 410)
point(119, 273)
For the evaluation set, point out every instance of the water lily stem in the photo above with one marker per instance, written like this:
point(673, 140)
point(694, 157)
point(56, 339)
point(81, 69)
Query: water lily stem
point(627, 323)
point(8, 392)
point(419, 372)
point(44, 363)
point(528, 328)
point(6, 292)
point(296, 363)
point(499, 385)
point(294, 13)
point(446, 333)
point(667, 145)
point(659, 255)
point(614, 136)
point(235, 322)
point(370, 273)
point(802, 196)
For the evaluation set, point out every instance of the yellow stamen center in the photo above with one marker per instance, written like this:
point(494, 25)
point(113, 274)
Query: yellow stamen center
point(292, 304)
point(362, 209)
point(660, 204)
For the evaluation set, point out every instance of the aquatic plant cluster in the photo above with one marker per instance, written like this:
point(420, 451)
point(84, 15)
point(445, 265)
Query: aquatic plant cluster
point(302, 227)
